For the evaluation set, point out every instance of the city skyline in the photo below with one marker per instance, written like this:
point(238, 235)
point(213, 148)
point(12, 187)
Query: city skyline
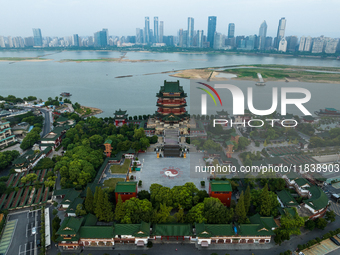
point(317, 19)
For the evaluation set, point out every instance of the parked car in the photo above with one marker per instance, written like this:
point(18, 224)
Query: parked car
point(335, 241)
point(38, 243)
point(34, 231)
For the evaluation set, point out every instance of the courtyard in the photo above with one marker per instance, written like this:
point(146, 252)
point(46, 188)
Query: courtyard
point(169, 172)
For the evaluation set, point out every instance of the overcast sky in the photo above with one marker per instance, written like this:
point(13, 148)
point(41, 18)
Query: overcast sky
point(83, 17)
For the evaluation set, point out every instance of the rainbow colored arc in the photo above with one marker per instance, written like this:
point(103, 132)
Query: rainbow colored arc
point(209, 93)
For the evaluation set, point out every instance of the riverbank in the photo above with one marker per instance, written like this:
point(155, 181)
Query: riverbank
point(28, 59)
point(110, 60)
point(86, 111)
point(268, 72)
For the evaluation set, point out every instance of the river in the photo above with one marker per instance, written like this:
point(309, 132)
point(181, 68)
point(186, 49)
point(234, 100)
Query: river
point(95, 84)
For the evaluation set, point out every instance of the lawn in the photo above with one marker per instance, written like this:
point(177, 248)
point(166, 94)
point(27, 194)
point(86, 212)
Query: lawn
point(121, 169)
point(111, 183)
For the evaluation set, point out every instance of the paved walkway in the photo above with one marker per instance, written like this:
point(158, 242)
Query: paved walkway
point(324, 247)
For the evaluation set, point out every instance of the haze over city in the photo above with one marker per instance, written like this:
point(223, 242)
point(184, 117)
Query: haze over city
point(61, 18)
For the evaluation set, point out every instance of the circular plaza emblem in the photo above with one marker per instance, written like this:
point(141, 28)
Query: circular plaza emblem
point(171, 172)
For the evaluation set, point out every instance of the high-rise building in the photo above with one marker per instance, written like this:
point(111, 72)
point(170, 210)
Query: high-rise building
point(100, 38)
point(2, 42)
point(38, 42)
point(200, 38)
point(262, 35)
point(155, 30)
point(139, 36)
point(211, 30)
point(180, 38)
point(331, 45)
point(283, 45)
point(231, 30)
point(318, 45)
point(218, 41)
point(281, 31)
point(161, 31)
point(75, 40)
point(10, 41)
point(292, 42)
point(185, 38)
point(302, 43)
point(250, 42)
point(147, 30)
point(190, 31)
point(308, 43)
point(269, 43)
point(107, 35)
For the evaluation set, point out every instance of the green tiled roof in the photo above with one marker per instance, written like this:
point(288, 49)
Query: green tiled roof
point(229, 143)
point(61, 192)
point(70, 226)
point(301, 182)
point(171, 117)
point(122, 187)
point(69, 239)
point(331, 109)
point(220, 186)
point(120, 112)
point(136, 230)
point(212, 230)
point(55, 133)
point(172, 230)
point(98, 232)
point(73, 206)
point(62, 119)
point(90, 220)
point(222, 113)
point(234, 134)
point(308, 117)
point(108, 141)
point(260, 226)
point(70, 196)
point(274, 160)
point(318, 200)
point(129, 151)
point(292, 175)
point(171, 86)
point(286, 198)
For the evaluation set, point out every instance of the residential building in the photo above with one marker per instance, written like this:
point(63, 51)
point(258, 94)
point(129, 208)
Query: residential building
point(318, 45)
point(269, 43)
point(38, 42)
point(190, 31)
point(2, 42)
point(6, 136)
point(262, 35)
point(283, 45)
point(161, 31)
point(126, 190)
point(218, 41)
point(308, 44)
point(100, 38)
point(29, 41)
point(10, 41)
point(155, 30)
point(302, 43)
point(211, 30)
point(331, 45)
point(280, 31)
point(180, 38)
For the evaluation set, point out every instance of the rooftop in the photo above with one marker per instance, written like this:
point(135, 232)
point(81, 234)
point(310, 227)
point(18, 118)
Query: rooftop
point(123, 187)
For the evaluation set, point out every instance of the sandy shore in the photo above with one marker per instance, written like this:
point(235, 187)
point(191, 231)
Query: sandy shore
point(94, 111)
point(199, 74)
point(111, 60)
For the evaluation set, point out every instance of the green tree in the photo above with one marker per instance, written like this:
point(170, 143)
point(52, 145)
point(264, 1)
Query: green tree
point(108, 214)
point(247, 199)
point(240, 210)
point(310, 224)
point(330, 216)
point(98, 210)
point(80, 211)
point(119, 211)
point(89, 201)
point(320, 223)
point(55, 212)
point(163, 214)
point(265, 208)
point(180, 216)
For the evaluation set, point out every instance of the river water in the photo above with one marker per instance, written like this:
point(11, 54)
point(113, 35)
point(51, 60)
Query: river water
point(95, 83)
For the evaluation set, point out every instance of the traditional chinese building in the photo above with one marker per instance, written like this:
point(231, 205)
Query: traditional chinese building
point(126, 190)
point(108, 148)
point(171, 103)
point(221, 190)
point(120, 118)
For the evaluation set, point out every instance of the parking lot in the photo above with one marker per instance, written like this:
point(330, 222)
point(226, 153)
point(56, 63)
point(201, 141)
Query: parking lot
point(24, 241)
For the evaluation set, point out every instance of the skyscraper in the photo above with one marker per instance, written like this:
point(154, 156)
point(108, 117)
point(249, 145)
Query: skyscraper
point(161, 31)
point(139, 35)
point(231, 30)
point(2, 42)
point(302, 43)
point(100, 38)
point(281, 31)
point(308, 43)
point(180, 38)
point(283, 45)
point(37, 37)
point(155, 29)
point(262, 35)
point(147, 30)
point(190, 31)
point(200, 38)
point(75, 40)
point(211, 30)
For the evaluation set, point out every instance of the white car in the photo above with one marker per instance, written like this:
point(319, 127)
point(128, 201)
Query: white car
point(34, 231)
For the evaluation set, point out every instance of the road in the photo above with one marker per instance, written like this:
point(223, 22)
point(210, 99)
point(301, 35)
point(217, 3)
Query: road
point(47, 120)
point(24, 242)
